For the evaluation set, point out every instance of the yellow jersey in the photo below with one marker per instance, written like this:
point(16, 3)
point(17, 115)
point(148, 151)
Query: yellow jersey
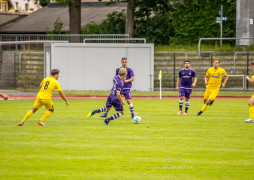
point(48, 85)
point(215, 77)
point(252, 77)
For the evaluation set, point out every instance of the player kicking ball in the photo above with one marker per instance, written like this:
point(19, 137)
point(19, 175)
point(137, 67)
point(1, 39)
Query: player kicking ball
point(214, 74)
point(251, 101)
point(48, 85)
point(185, 78)
point(114, 99)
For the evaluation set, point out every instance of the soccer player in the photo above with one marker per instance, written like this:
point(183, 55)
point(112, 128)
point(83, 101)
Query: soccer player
point(127, 85)
point(185, 76)
point(48, 85)
point(4, 96)
point(114, 99)
point(251, 101)
point(214, 74)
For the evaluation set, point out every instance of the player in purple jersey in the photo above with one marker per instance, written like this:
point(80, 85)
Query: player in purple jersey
point(127, 84)
point(114, 99)
point(185, 76)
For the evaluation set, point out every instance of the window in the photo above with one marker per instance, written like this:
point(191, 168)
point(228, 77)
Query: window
point(27, 6)
point(4, 6)
point(17, 5)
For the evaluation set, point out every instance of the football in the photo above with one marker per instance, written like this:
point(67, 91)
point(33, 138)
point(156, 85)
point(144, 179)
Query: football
point(137, 120)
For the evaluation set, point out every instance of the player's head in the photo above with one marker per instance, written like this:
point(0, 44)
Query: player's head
point(55, 73)
point(216, 62)
point(122, 73)
point(187, 64)
point(124, 62)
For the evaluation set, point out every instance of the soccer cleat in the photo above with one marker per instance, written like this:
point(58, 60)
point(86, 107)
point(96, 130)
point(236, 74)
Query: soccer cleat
point(180, 112)
point(106, 121)
point(211, 103)
point(249, 120)
point(185, 113)
point(40, 123)
point(91, 113)
point(199, 113)
point(132, 116)
point(20, 124)
point(104, 114)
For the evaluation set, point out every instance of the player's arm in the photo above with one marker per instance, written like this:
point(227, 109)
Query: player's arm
point(251, 80)
point(206, 80)
point(225, 81)
point(129, 80)
point(195, 81)
point(4, 96)
point(118, 94)
point(63, 97)
point(177, 83)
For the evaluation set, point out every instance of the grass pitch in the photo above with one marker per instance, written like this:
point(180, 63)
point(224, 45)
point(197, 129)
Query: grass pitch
point(216, 145)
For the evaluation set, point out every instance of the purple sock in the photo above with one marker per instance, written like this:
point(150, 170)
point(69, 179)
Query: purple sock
point(101, 110)
point(115, 116)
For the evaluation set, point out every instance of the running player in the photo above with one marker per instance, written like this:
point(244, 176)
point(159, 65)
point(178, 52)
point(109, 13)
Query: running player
point(127, 84)
point(185, 76)
point(48, 85)
point(214, 74)
point(251, 101)
point(114, 99)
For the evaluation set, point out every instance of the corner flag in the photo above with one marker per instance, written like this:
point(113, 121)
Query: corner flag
point(160, 76)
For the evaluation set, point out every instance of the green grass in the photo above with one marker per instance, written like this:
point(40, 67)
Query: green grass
point(217, 145)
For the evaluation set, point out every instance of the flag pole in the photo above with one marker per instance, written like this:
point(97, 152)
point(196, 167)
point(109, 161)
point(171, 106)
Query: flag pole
point(160, 76)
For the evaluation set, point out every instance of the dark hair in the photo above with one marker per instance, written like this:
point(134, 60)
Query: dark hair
point(216, 59)
point(124, 58)
point(54, 72)
point(187, 61)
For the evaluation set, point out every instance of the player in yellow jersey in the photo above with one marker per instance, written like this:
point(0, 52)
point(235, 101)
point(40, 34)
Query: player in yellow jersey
point(214, 74)
point(48, 85)
point(251, 101)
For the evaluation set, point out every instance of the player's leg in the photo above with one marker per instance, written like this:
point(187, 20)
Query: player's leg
point(206, 96)
point(181, 98)
point(251, 110)
point(187, 100)
point(103, 109)
point(119, 108)
point(127, 95)
point(50, 109)
point(36, 106)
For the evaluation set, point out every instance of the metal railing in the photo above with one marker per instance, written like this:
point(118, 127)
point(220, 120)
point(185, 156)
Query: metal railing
point(112, 40)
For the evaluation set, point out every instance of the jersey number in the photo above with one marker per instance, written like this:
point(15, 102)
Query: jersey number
point(46, 85)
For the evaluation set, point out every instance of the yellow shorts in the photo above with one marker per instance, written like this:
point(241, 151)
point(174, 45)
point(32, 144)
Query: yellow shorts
point(211, 93)
point(252, 96)
point(46, 102)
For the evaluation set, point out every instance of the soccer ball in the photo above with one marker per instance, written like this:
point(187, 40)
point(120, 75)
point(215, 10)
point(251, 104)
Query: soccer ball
point(137, 120)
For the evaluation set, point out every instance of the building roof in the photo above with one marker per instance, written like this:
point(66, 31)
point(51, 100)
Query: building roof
point(43, 19)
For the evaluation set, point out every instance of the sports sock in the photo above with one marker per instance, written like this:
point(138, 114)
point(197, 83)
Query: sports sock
point(187, 104)
point(204, 107)
point(104, 109)
point(28, 115)
point(46, 115)
point(115, 116)
point(131, 108)
point(180, 105)
point(251, 111)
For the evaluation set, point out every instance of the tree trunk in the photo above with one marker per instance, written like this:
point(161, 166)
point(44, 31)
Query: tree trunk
point(75, 19)
point(129, 24)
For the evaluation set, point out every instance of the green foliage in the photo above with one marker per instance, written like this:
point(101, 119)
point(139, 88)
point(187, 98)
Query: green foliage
point(57, 27)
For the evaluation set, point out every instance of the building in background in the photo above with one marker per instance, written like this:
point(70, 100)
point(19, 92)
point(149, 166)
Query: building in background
point(244, 22)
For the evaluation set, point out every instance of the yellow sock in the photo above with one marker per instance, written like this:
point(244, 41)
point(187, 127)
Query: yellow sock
point(204, 107)
point(28, 115)
point(46, 115)
point(251, 111)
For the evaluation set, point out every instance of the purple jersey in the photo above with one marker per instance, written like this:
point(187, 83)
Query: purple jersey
point(118, 84)
point(128, 76)
point(186, 78)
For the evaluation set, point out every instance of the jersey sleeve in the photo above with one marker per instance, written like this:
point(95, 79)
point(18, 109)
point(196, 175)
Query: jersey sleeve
point(252, 77)
point(131, 73)
point(117, 71)
point(41, 83)
point(179, 74)
point(208, 72)
point(58, 86)
point(194, 74)
point(119, 86)
point(224, 72)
